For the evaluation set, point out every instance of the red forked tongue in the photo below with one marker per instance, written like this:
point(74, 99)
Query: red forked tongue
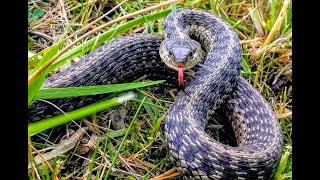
point(180, 75)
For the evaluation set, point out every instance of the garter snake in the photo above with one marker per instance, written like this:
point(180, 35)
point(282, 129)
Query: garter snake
point(191, 35)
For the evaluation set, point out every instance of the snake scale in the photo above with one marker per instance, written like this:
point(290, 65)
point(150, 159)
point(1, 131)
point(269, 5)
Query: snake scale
point(217, 83)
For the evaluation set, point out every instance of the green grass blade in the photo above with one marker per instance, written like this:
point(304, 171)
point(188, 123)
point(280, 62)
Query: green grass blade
point(34, 87)
point(94, 155)
point(124, 139)
point(245, 63)
point(39, 126)
point(270, 22)
point(257, 21)
point(282, 165)
point(105, 141)
point(150, 104)
point(141, 96)
point(53, 93)
point(146, 176)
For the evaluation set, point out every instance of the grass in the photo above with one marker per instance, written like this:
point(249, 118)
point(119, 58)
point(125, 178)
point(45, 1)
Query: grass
point(61, 31)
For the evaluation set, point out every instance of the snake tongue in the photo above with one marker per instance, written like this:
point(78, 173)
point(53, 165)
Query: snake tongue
point(180, 75)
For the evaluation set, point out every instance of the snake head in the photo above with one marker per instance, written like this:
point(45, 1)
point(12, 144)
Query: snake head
point(184, 53)
point(180, 54)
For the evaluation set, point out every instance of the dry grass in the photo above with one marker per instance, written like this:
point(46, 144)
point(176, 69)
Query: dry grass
point(264, 28)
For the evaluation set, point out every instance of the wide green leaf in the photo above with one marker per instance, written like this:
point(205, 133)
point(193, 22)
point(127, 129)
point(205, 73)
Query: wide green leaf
point(53, 93)
point(45, 124)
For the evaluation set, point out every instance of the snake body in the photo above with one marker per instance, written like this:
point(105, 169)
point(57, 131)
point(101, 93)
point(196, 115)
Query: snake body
point(217, 84)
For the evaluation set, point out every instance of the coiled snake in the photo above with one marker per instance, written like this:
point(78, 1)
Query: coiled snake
point(217, 84)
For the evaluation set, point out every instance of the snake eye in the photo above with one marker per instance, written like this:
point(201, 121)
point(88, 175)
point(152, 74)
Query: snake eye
point(190, 54)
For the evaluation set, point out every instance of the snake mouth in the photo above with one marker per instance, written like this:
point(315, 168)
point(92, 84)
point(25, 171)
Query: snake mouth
point(180, 67)
point(176, 65)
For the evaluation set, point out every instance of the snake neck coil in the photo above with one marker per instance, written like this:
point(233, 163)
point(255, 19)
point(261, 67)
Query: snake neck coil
point(259, 136)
